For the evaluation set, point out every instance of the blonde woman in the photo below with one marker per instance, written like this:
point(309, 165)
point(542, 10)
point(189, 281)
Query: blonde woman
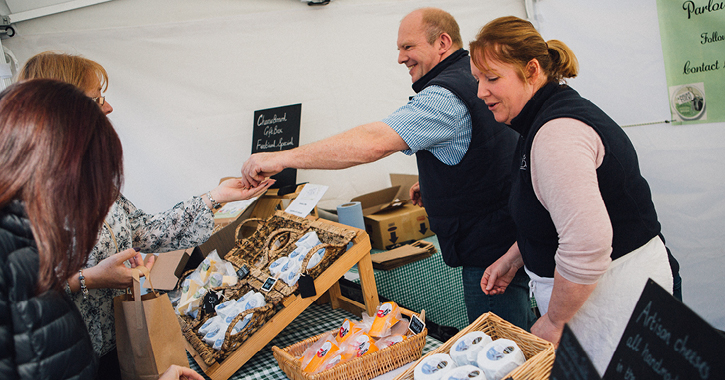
point(126, 230)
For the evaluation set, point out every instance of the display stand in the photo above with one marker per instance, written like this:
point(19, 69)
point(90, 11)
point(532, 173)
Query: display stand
point(358, 254)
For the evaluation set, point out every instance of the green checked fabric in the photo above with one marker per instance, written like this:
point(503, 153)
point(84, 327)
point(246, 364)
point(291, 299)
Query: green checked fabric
point(427, 284)
point(315, 320)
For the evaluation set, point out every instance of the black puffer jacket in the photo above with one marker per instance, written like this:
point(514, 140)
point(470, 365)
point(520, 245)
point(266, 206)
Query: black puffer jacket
point(41, 336)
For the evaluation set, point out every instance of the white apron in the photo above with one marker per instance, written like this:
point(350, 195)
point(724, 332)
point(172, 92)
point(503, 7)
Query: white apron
point(600, 322)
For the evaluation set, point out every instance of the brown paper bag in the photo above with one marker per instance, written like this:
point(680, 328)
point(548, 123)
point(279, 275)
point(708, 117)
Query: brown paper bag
point(148, 335)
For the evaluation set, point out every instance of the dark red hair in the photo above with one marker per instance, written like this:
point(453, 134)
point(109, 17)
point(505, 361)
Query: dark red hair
point(60, 156)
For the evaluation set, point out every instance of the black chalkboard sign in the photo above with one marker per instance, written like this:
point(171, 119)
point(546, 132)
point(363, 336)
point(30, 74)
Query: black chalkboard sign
point(278, 129)
point(416, 325)
point(571, 362)
point(664, 339)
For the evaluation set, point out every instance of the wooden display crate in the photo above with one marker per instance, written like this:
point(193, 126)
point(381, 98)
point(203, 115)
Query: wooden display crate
point(358, 254)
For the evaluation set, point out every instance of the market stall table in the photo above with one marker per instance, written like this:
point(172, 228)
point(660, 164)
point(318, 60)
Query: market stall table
point(315, 320)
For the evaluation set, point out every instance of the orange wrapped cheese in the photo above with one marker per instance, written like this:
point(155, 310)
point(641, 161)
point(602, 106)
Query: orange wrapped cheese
point(388, 315)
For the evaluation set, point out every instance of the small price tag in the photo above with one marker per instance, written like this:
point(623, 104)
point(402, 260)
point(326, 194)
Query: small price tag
point(306, 285)
point(211, 299)
point(416, 325)
point(243, 272)
point(269, 284)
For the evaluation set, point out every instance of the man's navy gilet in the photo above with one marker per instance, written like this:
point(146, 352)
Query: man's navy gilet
point(466, 203)
point(625, 192)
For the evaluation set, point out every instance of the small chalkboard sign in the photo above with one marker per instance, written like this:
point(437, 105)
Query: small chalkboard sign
point(416, 325)
point(571, 362)
point(306, 286)
point(269, 284)
point(664, 339)
point(242, 272)
point(278, 129)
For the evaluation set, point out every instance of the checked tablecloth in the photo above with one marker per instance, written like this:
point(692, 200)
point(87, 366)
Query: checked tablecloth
point(315, 320)
point(427, 284)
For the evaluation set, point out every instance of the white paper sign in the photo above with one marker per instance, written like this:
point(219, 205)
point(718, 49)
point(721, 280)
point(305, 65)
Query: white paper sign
point(307, 200)
point(231, 209)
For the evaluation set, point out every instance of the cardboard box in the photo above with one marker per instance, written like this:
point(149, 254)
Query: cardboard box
point(389, 216)
point(167, 269)
point(402, 255)
point(395, 225)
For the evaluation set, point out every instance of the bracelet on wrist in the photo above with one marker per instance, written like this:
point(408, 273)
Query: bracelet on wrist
point(214, 204)
point(82, 280)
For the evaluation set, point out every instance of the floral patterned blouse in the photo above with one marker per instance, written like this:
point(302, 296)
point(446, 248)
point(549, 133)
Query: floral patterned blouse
point(186, 225)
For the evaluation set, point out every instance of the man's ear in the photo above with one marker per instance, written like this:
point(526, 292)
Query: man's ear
point(444, 43)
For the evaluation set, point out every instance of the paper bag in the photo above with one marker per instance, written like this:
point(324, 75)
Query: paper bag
point(148, 335)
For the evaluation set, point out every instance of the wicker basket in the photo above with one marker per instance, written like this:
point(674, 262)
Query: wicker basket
point(362, 368)
point(539, 353)
point(190, 326)
point(254, 250)
point(275, 238)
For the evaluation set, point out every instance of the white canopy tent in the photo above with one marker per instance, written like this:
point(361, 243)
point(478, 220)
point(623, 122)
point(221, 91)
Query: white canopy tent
point(186, 77)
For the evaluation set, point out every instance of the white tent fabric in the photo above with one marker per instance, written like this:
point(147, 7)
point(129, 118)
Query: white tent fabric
point(186, 77)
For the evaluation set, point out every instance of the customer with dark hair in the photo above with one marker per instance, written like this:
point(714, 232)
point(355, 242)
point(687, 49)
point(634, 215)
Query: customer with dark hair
point(587, 230)
point(187, 224)
point(61, 170)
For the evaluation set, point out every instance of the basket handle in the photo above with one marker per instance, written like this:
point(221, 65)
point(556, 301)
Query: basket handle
point(234, 321)
point(317, 248)
point(268, 250)
point(241, 225)
point(312, 252)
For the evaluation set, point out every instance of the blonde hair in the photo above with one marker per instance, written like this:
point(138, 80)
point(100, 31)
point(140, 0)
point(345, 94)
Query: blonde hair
point(515, 41)
point(436, 22)
point(74, 69)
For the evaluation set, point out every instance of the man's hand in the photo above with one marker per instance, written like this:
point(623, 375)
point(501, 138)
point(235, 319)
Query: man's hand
point(258, 167)
point(497, 277)
point(415, 195)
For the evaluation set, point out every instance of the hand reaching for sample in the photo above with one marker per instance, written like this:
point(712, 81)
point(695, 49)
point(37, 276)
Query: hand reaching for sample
point(258, 167)
point(175, 372)
point(233, 189)
point(113, 273)
point(415, 195)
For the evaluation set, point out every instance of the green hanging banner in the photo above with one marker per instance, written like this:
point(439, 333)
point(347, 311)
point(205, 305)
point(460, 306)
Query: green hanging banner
point(693, 44)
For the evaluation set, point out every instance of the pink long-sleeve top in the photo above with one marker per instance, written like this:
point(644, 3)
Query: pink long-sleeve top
point(565, 154)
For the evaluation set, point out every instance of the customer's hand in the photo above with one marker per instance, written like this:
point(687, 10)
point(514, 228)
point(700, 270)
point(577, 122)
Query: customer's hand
point(182, 373)
point(258, 167)
point(113, 273)
point(233, 189)
point(415, 195)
